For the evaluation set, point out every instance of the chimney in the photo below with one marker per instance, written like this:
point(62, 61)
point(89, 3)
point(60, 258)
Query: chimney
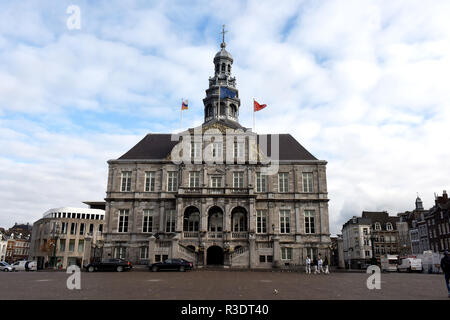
point(444, 195)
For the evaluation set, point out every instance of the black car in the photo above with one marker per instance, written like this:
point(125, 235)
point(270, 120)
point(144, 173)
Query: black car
point(118, 265)
point(171, 264)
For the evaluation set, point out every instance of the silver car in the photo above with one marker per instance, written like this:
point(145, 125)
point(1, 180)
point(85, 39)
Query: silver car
point(6, 267)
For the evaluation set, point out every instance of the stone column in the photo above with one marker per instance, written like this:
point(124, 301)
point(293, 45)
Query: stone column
point(276, 251)
point(161, 217)
point(151, 249)
point(252, 253)
point(252, 216)
point(87, 251)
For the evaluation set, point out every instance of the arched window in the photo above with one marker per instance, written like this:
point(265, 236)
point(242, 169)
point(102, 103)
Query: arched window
point(217, 68)
point(209, 110)
point(222, 109)
point(377, 226)
point(233, 110)
point(223, 67)
point(389, 226)
point(229, 68)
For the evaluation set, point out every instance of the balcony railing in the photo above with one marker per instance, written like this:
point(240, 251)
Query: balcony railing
point(239, 235)
point(215, 235)
point(190, 234)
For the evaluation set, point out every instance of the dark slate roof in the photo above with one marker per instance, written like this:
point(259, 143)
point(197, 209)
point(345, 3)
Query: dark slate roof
point(159, 146)
point(381, 217)
point(154, 146)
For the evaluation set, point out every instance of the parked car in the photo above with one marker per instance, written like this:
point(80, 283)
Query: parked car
point(171, 264)
point(118, 265)
point(410, 264)
point(24, 265)
point(6, 267)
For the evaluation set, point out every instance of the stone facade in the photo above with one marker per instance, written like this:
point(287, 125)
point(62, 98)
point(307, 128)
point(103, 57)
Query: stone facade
point(225, 205)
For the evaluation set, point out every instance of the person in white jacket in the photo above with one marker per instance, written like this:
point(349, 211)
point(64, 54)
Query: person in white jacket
point(319, 265)
point(308, 265)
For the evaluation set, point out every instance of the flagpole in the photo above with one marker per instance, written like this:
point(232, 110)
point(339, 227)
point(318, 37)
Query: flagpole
point(181, 115)
point(254, 129)
point(218, 107)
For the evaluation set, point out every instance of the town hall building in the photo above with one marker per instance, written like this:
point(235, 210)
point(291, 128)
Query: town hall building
point(218, 194)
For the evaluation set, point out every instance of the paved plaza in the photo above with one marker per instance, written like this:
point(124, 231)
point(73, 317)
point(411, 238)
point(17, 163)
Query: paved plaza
point(220, 285)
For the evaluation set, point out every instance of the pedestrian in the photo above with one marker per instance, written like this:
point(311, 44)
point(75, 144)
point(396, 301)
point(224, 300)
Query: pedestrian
point(320, 264)
point(308, 265)
point(445, 266)
point(315, 265)
point(325, 263)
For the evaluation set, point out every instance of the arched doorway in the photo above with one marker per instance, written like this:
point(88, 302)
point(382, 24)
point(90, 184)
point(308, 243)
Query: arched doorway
point(214, 255)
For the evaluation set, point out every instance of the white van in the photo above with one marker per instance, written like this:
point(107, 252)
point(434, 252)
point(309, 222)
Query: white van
point(25, 265)
point(410, 264)
point(389, 262)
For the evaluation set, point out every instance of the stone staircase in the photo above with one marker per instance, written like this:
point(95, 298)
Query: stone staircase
point(187, 254)
point(240, 258)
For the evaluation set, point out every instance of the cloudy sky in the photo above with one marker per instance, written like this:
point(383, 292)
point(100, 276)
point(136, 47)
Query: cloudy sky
point(361, 84)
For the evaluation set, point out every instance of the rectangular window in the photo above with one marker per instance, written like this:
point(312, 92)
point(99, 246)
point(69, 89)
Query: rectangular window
point(73, 228)
point(100, 228)
point(91, 228)
point(309, 222)
point(283, 182)
point(170, 221)
point(285, 221)
point(172, 181)
point(238, 179)
point(147, 221)
point(64, 227)
point(62, 245)
point(216, 182)
point(262, 259)
point(126, 181)
point(80, 245)
point(239, 150)
point(261, 182)
point(72, 245)
point(286, 253)
point(82, 225)
point(307, 181)
point(196, 149)
point(123, 220)
point(120, 252)
point(149, 181)
point(217, 150)
point(194, 179)
point(157, 258)
point(144, 253)
point(261, 221)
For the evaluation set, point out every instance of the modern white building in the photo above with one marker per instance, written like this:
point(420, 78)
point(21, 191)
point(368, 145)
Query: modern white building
point(67, 236)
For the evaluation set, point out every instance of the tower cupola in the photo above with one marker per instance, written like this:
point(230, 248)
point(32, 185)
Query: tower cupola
point(222, 98)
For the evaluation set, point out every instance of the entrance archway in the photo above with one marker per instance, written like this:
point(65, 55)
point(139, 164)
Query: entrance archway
point(214, 255)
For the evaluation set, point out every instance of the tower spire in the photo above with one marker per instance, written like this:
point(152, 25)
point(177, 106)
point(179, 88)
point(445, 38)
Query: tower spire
point(222, 97)
point(223, 44)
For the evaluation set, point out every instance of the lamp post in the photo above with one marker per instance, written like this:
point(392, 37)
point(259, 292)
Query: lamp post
point(55, 233)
